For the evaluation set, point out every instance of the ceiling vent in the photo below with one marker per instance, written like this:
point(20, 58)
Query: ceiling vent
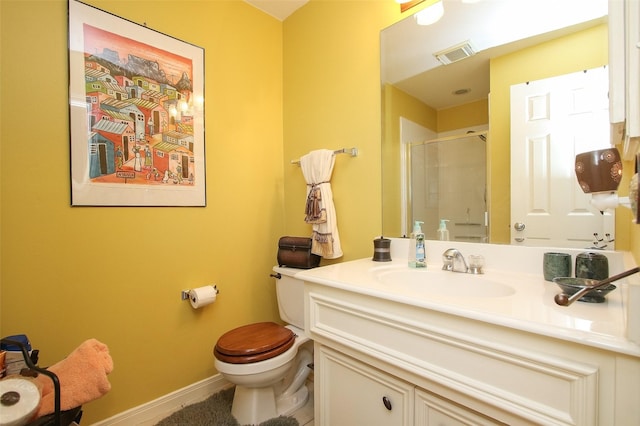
point(455, 53)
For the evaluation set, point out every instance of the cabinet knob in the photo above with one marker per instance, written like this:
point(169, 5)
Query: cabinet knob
point(387, 403)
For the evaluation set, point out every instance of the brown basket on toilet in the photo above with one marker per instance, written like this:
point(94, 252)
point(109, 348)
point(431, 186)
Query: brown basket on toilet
point(295, 252)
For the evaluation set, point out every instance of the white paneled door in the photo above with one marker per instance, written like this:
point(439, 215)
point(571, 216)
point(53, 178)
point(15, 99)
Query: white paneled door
point(552, 120)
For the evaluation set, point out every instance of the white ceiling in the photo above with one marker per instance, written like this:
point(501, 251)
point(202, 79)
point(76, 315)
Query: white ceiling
point(279, 9)
point(494, 27)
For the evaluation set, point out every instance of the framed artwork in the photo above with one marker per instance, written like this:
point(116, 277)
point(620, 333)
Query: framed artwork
point(136, 100)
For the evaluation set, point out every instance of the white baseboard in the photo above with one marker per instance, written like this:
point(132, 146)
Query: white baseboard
point(152, 412)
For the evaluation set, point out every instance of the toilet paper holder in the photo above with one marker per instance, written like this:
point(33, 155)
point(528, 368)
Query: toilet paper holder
point(184, 294)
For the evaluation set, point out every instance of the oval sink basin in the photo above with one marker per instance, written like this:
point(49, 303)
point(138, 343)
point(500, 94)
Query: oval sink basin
point(444, 283)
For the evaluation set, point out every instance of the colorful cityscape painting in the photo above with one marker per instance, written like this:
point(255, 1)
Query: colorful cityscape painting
point(143, 116)
point(139, 110)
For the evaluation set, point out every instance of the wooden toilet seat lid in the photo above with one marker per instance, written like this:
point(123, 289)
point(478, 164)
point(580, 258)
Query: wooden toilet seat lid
point(253, 343)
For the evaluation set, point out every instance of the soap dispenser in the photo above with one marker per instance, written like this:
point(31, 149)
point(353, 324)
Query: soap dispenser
point(417, 252)
point(443, 232)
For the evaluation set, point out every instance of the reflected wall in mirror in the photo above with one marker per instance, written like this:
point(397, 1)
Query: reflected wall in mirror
point(417, 89)
point(449, 187)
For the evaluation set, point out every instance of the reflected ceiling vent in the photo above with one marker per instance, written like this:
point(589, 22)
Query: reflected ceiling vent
point(455, 53)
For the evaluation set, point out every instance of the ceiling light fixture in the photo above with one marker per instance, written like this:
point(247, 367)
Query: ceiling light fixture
point(431, 14)
point(461, 91)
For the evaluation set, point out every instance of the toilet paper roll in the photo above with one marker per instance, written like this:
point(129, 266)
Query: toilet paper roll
point(20, 398)
point(202, 296)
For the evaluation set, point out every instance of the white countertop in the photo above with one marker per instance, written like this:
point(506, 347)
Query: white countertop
point(529, 308)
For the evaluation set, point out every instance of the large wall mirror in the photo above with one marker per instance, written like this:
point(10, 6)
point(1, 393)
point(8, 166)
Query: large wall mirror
point(446, 98)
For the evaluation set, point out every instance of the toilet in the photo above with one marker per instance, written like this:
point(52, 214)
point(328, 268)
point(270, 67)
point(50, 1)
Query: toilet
point(269, 363)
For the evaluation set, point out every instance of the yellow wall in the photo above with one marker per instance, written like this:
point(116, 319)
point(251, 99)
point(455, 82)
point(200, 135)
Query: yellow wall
point(398, 104)
point(466, 115)
point(560, 57)
point(332, 100)
point(115, 274)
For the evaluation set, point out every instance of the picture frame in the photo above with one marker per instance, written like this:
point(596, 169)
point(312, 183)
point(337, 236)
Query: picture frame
point(136, 107)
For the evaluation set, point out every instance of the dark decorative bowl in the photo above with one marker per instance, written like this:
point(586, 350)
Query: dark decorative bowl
point(571, 285)
point(599, 171)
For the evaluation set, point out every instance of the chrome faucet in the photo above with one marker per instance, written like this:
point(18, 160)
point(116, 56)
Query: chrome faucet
point(454, 261)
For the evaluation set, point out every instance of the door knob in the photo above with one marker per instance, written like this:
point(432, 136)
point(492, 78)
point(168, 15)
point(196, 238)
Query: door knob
point(518, 226)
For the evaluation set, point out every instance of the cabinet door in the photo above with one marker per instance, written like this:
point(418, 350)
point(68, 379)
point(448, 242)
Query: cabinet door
point(350, 393)
point(432, 410)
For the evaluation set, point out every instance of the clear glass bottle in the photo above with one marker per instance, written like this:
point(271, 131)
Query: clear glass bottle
point(417, 251)
point(443, 232)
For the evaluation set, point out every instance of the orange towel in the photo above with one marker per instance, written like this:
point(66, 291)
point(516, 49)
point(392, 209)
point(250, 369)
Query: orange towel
point(83, 377)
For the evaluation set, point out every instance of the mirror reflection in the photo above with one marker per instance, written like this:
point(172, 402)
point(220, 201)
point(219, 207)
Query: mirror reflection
point(446, 128)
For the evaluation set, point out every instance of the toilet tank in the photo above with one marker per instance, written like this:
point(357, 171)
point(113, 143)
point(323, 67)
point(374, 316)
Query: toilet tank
point(290, 294)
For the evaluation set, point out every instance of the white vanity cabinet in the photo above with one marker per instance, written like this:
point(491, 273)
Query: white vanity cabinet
point(432, 410)
point(351, 392)
point(354, 393)
point(436, 367)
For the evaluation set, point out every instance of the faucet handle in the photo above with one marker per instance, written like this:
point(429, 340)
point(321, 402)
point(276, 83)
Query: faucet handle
point(476, 263)
point(447, 259)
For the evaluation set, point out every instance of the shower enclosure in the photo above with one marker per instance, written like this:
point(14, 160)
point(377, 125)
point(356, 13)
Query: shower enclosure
point(448, 180)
